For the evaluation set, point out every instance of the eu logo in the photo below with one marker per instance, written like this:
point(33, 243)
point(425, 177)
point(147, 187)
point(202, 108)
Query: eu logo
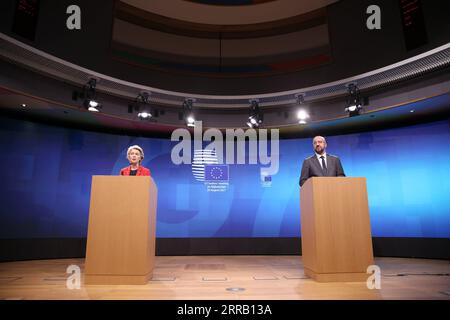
point(216, 172)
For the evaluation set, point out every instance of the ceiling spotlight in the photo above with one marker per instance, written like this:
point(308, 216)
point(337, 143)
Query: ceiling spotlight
point(353, 100)
point(23, 105)
point(91, 105)
point(141, 103)
point(302, 115)
point(190, 121)
point(188, 113)
point(144, 97)
point(88, 95)
point(255, 118)
point(144, 115)
point(253, 122)
point(300, 97)
point(353, 110)
point(93, 109)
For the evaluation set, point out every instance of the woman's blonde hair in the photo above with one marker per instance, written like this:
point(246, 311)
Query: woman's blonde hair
point(137, 148)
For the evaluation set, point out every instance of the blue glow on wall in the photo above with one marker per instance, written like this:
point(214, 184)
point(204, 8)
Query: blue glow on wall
point(46, 179)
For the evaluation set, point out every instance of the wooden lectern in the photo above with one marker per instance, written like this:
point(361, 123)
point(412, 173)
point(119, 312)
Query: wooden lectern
point(121, 233)
point(336, 237)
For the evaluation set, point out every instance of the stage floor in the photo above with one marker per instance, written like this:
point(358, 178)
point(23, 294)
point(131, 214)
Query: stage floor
point(209, 277)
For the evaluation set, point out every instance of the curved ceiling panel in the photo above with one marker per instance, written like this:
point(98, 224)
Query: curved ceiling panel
point(230, 2)
point(137, 36)
point(147, 40)
point(25, 55)
point(228, 15)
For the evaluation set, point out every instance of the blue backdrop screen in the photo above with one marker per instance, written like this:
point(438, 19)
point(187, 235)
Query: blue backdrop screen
point(46, 179)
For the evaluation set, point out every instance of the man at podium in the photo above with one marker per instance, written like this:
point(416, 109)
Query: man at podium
point(321, 164)
point(135, 155)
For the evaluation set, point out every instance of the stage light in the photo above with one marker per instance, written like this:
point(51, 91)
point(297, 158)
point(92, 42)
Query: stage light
point(190, 120)
point(255, 118)
point(302, 114)
point(88, 95)
point(91, 105)
point(144, 97)
point(352, 108)
point(353, 100)
point(188, 113)
point(300, 98)
point(252, 122)
point(93, 109)
point(144, 115)
point(140, 104)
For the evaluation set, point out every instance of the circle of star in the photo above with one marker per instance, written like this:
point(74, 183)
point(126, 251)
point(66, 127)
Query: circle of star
point(216, 173)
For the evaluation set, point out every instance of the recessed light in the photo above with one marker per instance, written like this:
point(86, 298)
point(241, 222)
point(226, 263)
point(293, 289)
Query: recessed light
point(23, 105)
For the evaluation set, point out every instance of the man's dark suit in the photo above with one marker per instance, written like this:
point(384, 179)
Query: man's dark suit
point(312, 168)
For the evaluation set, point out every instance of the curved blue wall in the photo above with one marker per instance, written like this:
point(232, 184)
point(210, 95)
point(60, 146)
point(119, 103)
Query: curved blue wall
point(46, 179)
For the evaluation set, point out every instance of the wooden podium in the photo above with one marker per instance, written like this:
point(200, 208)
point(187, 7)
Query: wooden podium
point(336, 237)
point(121, 233)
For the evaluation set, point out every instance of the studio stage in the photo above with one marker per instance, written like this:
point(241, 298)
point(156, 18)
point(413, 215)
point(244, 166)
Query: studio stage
point(209, 277)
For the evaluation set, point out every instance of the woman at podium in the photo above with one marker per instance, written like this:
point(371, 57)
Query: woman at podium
point(135, 155)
